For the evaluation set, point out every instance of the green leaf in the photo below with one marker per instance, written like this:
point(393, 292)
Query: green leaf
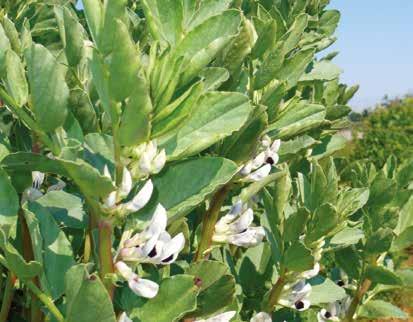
point(291, 39)
point(404, 240)
point(15, 81)
point(4, 46)
point(9, 203)
point(348, 236)
point(165, 19)
point(349, 201)
point(379, 242)
point(349, 260)
point(94, 17)
point(326, 292)
point(66, 209)
point(269, 69)
point(83, 174)
point(213, 77)
point(407, 276)
point(295, 224)
point(382, 275)
point(294, 67)
point(114, 10)
point(217, 286)
point(184, 185)
point(51, 248)
point(265, 39)
point(328, 146)
point(73, 38)
point(254, 269)
point(293, 147)
point(217, 116)
point(324, 221)
point(336, 112)
point(177, 296)
point(196, 12)
point(322, 71)
point(329, 21)
point(377, 309)
point(202, 44)
point(135, 124)
point(87, 298)
point(15, 261)
point(298, 258)
point(405, 217)
point(124, 64)
point(12, 34)
point(297, 120)
point(49, 91)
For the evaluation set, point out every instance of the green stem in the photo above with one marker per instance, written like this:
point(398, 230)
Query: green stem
point(7, 297)
point(105, 254)
point(251, 77)
point(275, 293)
point(47, 301)
point(209, 221)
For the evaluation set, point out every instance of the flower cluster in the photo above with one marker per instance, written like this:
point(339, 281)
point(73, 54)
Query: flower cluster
point(296, 296)
point(114, 202)
point(260, 167)
point(145, 159)
point(153, 245)
point(235, 228)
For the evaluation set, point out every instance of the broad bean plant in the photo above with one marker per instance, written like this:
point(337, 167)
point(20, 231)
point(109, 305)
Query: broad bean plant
point(173, 160)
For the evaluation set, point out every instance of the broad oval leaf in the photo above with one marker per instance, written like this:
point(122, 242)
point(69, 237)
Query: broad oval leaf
point(49, 91)
point(217, 116)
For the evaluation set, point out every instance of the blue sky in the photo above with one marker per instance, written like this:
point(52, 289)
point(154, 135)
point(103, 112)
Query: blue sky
point(375, 40)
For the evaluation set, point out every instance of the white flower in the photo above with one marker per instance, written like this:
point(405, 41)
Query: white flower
point(261, 317)
point(297, 296)
point(312, 272)
point(334, 311)
point(138, 201)
point(139, 286)
point(223, 317)
point(33, 193)
point(124, 318)
point(154, 244)
point(234, 228)
point(146, 159)
point(260, 167)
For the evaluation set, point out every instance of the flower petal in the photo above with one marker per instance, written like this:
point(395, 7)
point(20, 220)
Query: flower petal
point(159, 162)
point(275, 146)
point(37, 179)
point(124, 270)
point(126, 184)
point(143, 287)
point(172, 249)
point(261, 317)
point(141, 198)
point(260, 174)
point(242, 222)
point(223, 317)
point(124, 318)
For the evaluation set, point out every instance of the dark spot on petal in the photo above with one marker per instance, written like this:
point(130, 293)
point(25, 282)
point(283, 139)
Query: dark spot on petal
point(92, 278)
point(299, 305)
point(152, 253)
point(244, 230)
point(270, 160)
point(327, 315)
point(169, 258)
point(341, 283)
point(197, 281)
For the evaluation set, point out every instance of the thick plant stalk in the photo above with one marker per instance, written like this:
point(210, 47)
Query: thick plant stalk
point(209, 221)
point(275, 294)
point(105, 254)
point(364, 287)
point(35, 311)
point(7, 297)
